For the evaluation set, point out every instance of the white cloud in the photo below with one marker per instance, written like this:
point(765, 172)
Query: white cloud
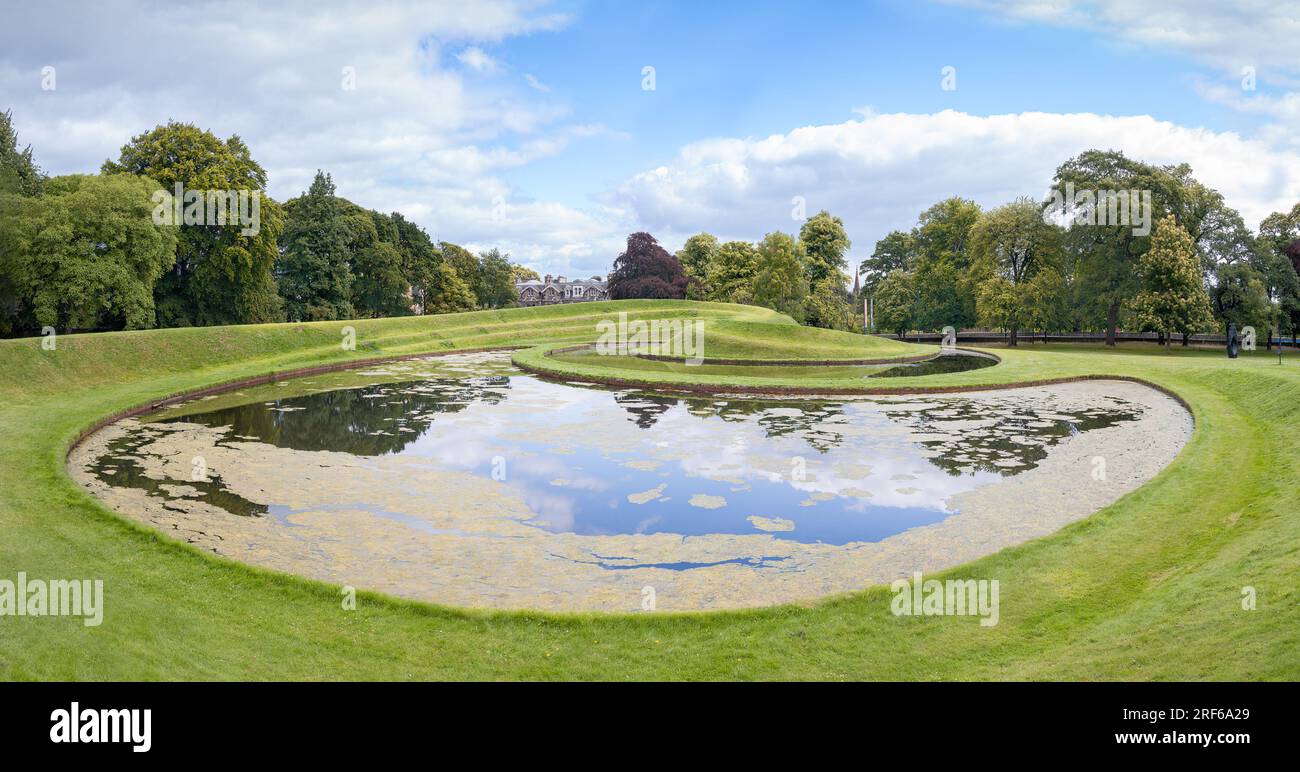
point(880, 172)
point(412, 136)
point(477, 59)
point(535, 84)
point(1228, 35)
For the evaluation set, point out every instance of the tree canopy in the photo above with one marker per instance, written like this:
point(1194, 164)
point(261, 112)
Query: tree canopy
point(313, 274)
point(85, 254)
point(222, 274)
point(780, 279)
point(646, 270)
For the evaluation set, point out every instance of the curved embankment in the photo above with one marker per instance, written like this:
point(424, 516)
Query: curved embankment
point(1150, 587)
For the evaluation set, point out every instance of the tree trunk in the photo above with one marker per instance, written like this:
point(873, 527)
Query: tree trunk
point(1011, 342)
point(1112, 321)
point(1186, 336)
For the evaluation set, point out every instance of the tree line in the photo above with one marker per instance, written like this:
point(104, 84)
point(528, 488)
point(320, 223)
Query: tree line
point(1017, 267)
point(802, 276)
point(88, 251)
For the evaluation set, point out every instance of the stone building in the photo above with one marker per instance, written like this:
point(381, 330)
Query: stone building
point(557, 289)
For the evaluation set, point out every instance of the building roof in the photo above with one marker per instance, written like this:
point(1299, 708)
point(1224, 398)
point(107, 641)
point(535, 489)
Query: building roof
point(558, 284)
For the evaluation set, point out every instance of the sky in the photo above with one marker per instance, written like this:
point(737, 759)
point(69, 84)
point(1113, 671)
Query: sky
point(554, 129)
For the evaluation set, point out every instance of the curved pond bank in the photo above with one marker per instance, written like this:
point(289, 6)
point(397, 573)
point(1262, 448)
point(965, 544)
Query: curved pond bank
point(458, 480)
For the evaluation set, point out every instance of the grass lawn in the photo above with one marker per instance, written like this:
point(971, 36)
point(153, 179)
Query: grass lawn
point(636, 367)
point(1149, 588)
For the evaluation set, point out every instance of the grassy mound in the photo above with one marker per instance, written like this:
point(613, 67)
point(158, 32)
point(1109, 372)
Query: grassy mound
point(1150, 587)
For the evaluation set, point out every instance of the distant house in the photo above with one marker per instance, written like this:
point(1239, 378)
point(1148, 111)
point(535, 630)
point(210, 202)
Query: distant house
point(557, 289)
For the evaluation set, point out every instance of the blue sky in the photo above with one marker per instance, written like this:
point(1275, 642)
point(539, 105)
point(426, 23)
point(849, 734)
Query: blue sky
point(524, 125)
point(723, 71)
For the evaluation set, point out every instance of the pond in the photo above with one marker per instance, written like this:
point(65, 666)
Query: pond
point(461, 480)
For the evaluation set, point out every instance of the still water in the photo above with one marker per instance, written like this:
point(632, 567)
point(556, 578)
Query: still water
point(593, 461)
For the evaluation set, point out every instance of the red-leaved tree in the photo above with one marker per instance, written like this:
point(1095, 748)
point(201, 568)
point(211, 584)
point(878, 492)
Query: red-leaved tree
point(647, 270)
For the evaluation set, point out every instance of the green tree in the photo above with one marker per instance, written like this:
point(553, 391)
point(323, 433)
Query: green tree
point(520, 273)
point(1173, 297)
point(1046, 301)
point(379, 284)
point(825, 243)
point(895, 302)
point(86, 254)
point(1108, 253)
point(496, 284)
point(315, 279)
point(222, 273)
point(828, 304)
point(1239, 297)
point(18, 172)
point(696, 257)
point(1008, 245)
point(942, 273)
point(780, 280)
point(895, 252)
point(446, 293)
point(465, 264)
point(1000, 304)
point(419, 257)
point(1275, 259)
point(730, 275)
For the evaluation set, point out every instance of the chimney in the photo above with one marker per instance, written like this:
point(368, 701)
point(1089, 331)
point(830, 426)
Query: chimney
point(548, 278)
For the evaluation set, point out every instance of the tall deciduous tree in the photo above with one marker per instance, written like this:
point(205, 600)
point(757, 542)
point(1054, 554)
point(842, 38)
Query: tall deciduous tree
point(696, 257)
point(315, 280)
point(1008, 245)
point(465, 264)
point(824, 243)
point(780, 278)
point(895, 252)
point(436, 287)
point(222, 275)
point(730, 275)
point(85, 254)
point(1108, 253)
point(1239, 296)
point(896, 302)
point(496, 283)
point(943, 261)
point(828, 304)
point(1173, 297)
point(445, 292)
point(1278, 261)
point(646, 270)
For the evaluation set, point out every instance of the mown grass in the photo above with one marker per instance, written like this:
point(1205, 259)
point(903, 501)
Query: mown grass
point(1148, 588)
point(637, 367)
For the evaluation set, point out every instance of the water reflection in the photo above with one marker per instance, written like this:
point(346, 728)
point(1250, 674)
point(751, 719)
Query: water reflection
point(582, 459)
